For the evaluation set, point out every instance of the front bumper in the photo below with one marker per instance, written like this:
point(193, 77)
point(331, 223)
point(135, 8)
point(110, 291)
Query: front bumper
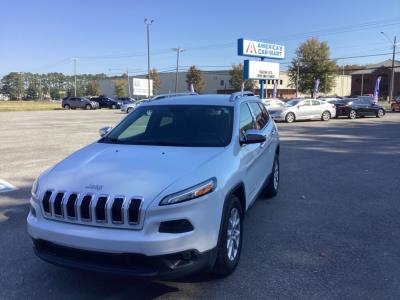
point(129, 264)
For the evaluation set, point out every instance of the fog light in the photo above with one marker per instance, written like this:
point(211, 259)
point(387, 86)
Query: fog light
point(176, 226)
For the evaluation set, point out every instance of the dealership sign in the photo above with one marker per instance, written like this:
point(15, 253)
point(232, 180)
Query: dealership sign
point(260, 70)
point(140, 87)
point(260, 49)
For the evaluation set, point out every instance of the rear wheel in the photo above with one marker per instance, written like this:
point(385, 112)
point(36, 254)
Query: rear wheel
point(352, 114)
point(87, 107)
point(290, 117)
point(230, 239)
point(66, 106)
point(326, 115)
point(380, 113)
point(113, 106)
point(129, 110)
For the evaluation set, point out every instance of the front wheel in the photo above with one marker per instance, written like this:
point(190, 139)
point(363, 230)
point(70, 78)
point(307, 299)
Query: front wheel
point(352, 114)
point(380, 113)
point(129, 110)
point(290, 117)
point(113, 106)
point(230, 240)
point(66, 106)
point(87, 107)
point(271, 190)
point(326, 115)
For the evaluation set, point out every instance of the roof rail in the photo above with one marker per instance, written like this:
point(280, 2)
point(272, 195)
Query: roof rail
point(237, 95)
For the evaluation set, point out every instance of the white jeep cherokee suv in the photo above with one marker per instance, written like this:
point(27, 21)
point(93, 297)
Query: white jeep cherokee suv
point(162, 194)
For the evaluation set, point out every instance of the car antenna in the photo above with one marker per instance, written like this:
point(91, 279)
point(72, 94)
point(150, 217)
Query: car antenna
point(242, 89)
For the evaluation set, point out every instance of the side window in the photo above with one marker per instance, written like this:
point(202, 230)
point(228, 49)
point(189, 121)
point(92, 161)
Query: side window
point(258, 114)
point(264, 112)
point(315, 102)
point(305, 103)
point(246, 120)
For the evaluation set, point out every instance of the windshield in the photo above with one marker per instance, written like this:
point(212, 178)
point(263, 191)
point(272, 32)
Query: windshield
point(175, 125)
point(292, 102)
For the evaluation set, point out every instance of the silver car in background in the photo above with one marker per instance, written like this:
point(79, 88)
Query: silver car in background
point(304, 109)
point(128, 107)
point(273, 103)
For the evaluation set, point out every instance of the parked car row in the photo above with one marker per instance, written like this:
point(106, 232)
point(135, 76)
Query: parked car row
point(95, 102)
point(323, 108)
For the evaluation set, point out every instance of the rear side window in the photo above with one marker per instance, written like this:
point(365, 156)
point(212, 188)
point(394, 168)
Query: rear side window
point(316, 102)
point(258, 114)
point(246, 119)
point(265, 113)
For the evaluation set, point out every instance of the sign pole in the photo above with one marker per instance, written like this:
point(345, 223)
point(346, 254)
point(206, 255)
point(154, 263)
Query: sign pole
point(262, 81)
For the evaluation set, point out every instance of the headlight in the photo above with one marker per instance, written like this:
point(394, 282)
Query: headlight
point(35, 188)
point(191, 193)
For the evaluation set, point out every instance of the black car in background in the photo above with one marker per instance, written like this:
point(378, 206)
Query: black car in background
point(358, 107)
point(106, 102)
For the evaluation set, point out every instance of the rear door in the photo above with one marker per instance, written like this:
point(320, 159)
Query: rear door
point(265, 151)
point(318, 108)
point(304, 110)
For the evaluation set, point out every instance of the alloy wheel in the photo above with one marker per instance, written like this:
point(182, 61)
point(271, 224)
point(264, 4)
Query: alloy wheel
point(276, 175)
point(233, 234)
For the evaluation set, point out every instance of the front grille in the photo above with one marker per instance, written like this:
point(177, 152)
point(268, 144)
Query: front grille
point(91, 209)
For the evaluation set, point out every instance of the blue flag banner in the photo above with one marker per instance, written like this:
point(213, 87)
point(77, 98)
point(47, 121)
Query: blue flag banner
point(376, 90)
point(275, 90)
point(316, 87)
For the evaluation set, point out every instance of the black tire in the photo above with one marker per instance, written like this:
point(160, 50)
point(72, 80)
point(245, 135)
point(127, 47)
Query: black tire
point(380, 113)
point(87, 107)
point(352, 114)
point(272, 188)
point(66, 106)
point(290, 117)
point(227, 261)
point(129, 110)
point(326, 115)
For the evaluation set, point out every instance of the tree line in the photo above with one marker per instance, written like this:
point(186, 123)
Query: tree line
point(311, 62)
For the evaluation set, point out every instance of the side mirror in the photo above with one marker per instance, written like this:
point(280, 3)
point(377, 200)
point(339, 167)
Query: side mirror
point(103, 131)
point(253, 136)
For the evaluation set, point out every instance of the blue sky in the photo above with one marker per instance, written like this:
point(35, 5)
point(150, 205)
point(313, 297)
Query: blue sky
point(109, 36)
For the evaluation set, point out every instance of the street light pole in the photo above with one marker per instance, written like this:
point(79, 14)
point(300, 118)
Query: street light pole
point(178, 50)
point(393, 58)
point(148, 23)
point(75, 60)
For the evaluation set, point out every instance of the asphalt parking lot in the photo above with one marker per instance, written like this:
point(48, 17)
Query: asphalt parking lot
point(333, 231)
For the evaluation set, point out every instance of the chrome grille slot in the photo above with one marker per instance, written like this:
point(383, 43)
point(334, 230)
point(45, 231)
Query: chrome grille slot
point(116, 210)
point(133, 210)
point(71, 206)
point(58, 211)
point(90, 209)
point(101, 212)
point(85, 208)
point(46, 202)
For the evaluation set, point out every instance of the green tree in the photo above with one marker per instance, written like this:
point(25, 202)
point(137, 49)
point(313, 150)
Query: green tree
point(195, 77)
point(32, 93)
point(312, 60)
point(237, 79)
point(13, 85)
point(92, 88)
point(156, 80)
point(119, 87)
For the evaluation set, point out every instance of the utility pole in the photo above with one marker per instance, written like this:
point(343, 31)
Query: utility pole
point(393, 58)
point(297, 79)
point(75, 59)
point(148, 23)
point(129, 84)
point(178, 50)
point(362, 83)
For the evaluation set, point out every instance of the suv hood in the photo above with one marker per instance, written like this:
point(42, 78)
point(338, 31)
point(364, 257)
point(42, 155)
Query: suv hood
point(128, 170)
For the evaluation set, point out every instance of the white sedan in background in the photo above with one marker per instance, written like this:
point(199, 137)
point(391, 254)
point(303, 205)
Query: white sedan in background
point(272, 103)
point(304, 109)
